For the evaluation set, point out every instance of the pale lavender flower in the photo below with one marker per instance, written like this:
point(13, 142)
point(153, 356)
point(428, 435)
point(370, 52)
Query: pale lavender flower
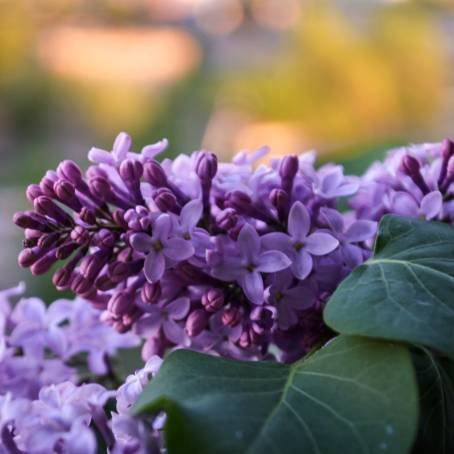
point(330, 183)
point(166, 316)
point(299, 244)
point(159, 246)
point(288, 298)
point(251, 261)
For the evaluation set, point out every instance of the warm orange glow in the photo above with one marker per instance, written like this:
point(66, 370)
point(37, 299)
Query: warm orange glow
point(282, 138)
point(131, 55)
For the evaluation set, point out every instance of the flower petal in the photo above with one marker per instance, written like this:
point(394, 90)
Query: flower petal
point(173, 332)
point(178, 308)
point(431, 204)
point(249, 242)
point(272, 261)
point(141, 242)
point(302, 264)
point(252, 284)
point(99, 156)
point(320, 243)
point(276, 241)
point(361, 231)
point(154, 266)
point(299, 221)
point(121, 147)
point(191, 214)
point(334, 219)
point(150, 151)
point(178, 249)
point(162, 226)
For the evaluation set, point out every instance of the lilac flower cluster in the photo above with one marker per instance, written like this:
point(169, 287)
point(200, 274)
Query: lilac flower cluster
point(45, 404)
point(228, 258)
point(414, 181)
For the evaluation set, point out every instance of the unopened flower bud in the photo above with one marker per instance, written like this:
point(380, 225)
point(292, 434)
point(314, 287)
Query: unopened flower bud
point(65, 250)
point(33, 191)
point(47, 183)
point(80, 235)
point(239, 200)
point(81, 285)
point(231, 316)
point(279, 198)
point(47, 207)
point(31, 220)
point(69, 171)
point(100, 187)
point(119, 303)
point(42, 265)
point(104, 238)
point(196, 322)
point(150, 293)
point(154, 174)
point(104, 283)
point(206, 166)
point(213, 299)
point(165, 199)
point(62, 278)
point(29, 256)
point(131, 170)
point(47, 240)
point(288, 167)
point(88, 216)
point(227, 219)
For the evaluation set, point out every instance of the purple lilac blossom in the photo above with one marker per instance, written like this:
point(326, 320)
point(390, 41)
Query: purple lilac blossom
point(192, 227)
point(43, 409)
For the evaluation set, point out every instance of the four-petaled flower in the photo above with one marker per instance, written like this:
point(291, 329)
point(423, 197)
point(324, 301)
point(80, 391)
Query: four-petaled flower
point(299, 245)
point(251, 261)
point(159, 246)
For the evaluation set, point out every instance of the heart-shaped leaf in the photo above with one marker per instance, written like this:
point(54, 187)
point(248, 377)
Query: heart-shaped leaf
point(406, 291)
point(354, 395)
point(436, 389)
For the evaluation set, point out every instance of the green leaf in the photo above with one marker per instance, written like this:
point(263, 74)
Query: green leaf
point(354, 395)
point(436, 388)
point(406, 291)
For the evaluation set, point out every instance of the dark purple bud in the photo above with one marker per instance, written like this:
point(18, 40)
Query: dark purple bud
point(450, 167)
point(227, 219)
point(100, 187)
point(104, 283)
point(104, 238)
point(411, 167)
point(231, 316)
point(91, 265)
point(131, 170)
point(165, 199)
point(80, 235)
point(48, 240)
point(42, 265)
point(95, 172)
point(213, 299)
point(29, 256)
point(87, 215)
point(239, 201)
point(69, 171)
point(154, 174)
point(47, 183)
point(191, 273)
point(31, 234)
point(196, 322)
point(279, 198)
point(118, 271)
point(155, 345)
point(288, 167)
point(66, 193)
point(119, 218)
point(447, 151)
point(206, 166)
point(150, 293)
point(33, 191)
point(66, 249)
point(62, 278)
point(47, 207)
point(31, 220)
point(120, 303)
point(81, 285)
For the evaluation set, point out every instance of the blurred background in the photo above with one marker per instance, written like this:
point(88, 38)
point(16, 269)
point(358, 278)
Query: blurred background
point(349, 78)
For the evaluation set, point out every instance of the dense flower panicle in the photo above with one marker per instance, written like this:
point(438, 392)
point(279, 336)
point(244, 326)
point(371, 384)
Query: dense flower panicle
point(415, 181)
point(46, 405)
point(185, 251)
